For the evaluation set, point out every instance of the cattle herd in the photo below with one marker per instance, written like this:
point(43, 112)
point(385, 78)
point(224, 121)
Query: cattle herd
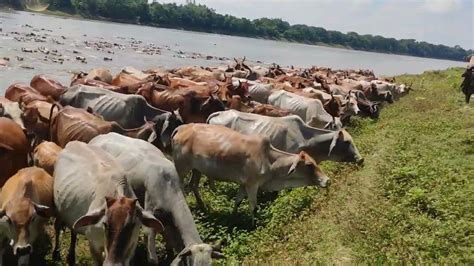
point(108, 154)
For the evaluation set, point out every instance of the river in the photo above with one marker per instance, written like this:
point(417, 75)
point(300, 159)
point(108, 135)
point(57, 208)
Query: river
point(36, 43)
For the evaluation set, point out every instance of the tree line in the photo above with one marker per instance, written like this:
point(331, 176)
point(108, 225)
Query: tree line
point(203, 18)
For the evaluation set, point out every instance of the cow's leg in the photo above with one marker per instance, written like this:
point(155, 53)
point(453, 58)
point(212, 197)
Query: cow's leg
point(71, 256)
point(151, 246)
point(239, 197)
point(57, 234)
point(196, 176)
point(252, 197)
point(151, 234)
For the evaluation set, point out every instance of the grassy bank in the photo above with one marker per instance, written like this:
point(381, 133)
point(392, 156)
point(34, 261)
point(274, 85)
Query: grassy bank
point(412, 200)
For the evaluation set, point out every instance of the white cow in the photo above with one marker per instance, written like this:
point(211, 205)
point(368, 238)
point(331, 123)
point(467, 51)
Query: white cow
point(310, 110)
point(154, 179)
point(93, 197)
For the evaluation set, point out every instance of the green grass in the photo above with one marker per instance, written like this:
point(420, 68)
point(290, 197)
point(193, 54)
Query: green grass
point(412, 201)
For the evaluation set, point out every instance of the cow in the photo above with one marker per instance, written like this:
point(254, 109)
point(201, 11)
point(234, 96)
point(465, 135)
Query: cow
point(157, 185)
point(310, 110)
point(127, 110)
point(82, 125)
point(397, 91)
point(100, 74)
point(95, 83)
point(45, 155)
point(28, 94)
point(93, 197)
point(11, 110)
point(250, 161)
point(374, 94)
point(14, 149)
point(260, 92)
point(47, 86)
point(257, 108)
point(26, 202)
point(193, 106)
point(78, 124)
point(291, 134)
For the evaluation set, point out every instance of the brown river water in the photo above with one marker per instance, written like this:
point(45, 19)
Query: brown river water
point(49, 45)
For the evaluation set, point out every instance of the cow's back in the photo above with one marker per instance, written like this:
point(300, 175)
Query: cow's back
point(41, 185)
point(144, 164)
point(219, 152)
point(290, 101)
point(13, 149)
point(83, 176)
point(284, 133)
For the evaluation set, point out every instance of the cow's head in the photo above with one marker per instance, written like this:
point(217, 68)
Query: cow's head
point(242, 90)
point(197, 254)
point(164, 125)
point(12, 111)
point(304, 166)
point(334, 106)
point(22, 219)
point(350, 105)
point(343, 149)
point(121, 218)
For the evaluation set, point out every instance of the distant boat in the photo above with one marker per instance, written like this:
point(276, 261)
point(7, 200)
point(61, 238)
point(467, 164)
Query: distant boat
point(36, 5)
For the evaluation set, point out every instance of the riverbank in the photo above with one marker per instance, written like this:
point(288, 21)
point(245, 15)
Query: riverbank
point(411, 202)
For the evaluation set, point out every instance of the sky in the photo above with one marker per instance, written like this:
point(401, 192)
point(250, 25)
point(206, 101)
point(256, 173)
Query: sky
point(449, 22)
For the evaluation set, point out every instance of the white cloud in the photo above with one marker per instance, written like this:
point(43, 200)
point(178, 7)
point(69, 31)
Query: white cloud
point(441, 6)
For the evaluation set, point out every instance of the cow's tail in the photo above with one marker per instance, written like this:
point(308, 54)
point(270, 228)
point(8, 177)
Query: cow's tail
point(51, 111)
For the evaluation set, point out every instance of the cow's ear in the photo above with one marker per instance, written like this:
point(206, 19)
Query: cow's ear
point(90, 218)
point(43, 211)
point(340, 135)
point(150, 221)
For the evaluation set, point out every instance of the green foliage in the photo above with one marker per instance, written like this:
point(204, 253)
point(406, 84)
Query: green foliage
point(202, 18)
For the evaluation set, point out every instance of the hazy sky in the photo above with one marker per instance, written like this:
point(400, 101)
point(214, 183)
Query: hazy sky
point(448, 22)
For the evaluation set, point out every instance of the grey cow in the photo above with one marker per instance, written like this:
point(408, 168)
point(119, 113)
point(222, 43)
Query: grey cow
point(154, 179)
point(291, 134)
point(127, 110)
point(310, 110)
point(92, 197)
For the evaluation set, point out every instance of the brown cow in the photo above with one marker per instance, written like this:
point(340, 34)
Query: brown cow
point(47, 86)
point(94, 83)
point(251, 161)
point(257, 108)
point(193, 105)
point(14, 149)
point(101, 74)
point(124, 79)
point(36, 118)
point(45, 155)
point(78, 124)
point(26, 93)
point(26, 203)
